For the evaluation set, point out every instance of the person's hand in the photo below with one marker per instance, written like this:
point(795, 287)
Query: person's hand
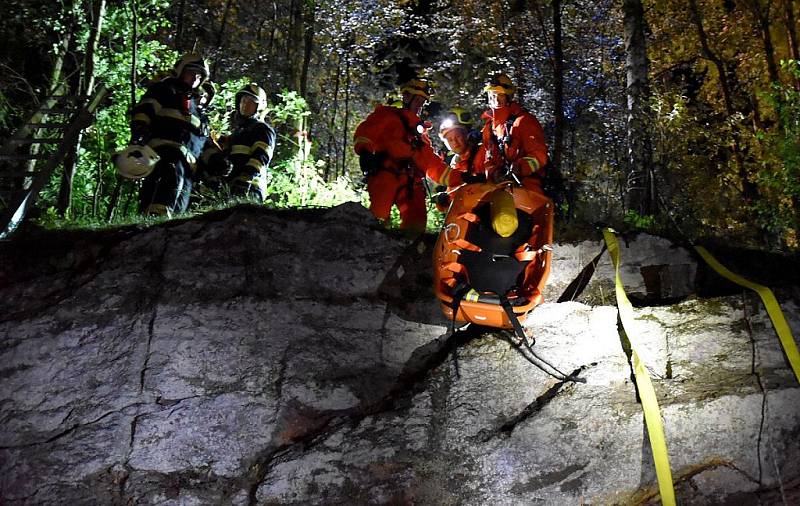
point(139, 137)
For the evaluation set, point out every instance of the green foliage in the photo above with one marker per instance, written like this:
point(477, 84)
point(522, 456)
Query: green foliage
point(294, 177)
point(640, 222)
point(778, 174)
point(219, 113)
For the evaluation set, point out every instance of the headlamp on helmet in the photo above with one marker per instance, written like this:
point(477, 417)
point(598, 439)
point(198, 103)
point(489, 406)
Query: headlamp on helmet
point(456, 118)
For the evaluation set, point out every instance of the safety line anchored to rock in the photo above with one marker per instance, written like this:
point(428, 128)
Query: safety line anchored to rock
point(652, 413)
point(770, 302)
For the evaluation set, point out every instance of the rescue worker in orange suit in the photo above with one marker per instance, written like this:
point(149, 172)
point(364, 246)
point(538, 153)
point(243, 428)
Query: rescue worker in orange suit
point(251, 145)
point(168, 120)
point(395, 155)
point(513, 139)
point(455, 131)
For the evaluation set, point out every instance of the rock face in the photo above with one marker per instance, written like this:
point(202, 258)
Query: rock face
point(257, 357)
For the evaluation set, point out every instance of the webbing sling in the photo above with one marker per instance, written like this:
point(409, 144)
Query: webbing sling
point(652, 413)
point(773, 308)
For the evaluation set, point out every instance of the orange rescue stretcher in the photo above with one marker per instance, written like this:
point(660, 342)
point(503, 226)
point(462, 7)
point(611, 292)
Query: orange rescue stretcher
point(492, 257)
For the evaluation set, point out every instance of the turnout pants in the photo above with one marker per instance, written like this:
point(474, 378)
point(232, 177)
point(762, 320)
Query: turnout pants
point(168, 186)
point(387, 189)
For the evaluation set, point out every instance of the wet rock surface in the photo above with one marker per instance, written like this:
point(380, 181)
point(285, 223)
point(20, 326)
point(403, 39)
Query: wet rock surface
point(258, 357)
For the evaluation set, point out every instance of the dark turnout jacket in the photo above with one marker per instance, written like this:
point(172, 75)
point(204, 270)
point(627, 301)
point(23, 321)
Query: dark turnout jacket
point(250, 149)
point(167, 115)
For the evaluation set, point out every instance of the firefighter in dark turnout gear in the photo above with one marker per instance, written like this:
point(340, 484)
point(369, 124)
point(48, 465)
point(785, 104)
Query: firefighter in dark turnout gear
point(168, 120)
point(212, 164)
point(251, 145)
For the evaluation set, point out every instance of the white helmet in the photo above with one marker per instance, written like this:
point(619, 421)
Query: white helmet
point(192, 61)
point(135, 162)
point(258, 95)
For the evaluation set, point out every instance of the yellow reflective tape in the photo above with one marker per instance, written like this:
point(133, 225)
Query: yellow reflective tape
point(361, 140)
point(142, 117)
point(260, 144)
point(240, 149)
point(176, 114)
point(155, 103)
point(445, 179)
point(533, 162)
point(167, 112)
point(770, 302)
point(652, 413)
point(256, 164)
point(177, 145)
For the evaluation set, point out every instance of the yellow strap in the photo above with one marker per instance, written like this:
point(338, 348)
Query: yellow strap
point(773, 308)
point(652, 413)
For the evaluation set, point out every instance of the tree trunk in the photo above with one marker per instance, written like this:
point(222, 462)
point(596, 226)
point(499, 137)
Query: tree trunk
point(308, 47)
point(763, 18)
point(295, 35)
point(271, 43)
point(221, 34)
point(640, 191)
point(134, 45)
point(791, 35)
point(331, 176)
point(87, 88)
point(749, 190)
point(179, 26)
point(558, 90)
point(346, 114)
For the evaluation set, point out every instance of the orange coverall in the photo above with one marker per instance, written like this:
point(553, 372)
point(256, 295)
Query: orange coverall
point(408, 157)
point(527, 151)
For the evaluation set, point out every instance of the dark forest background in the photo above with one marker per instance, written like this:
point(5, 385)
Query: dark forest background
point(673, 116)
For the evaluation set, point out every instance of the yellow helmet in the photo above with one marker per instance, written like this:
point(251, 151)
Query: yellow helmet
point(455, 118)
point(393, 100)
point(192, 61)
point(500, 83)
point(418, 86)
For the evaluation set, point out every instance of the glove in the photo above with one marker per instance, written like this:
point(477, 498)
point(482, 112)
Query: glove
point(140, 135)
point(219, 165)
point(371, 163)
point(441, 197)
point(470, 178)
